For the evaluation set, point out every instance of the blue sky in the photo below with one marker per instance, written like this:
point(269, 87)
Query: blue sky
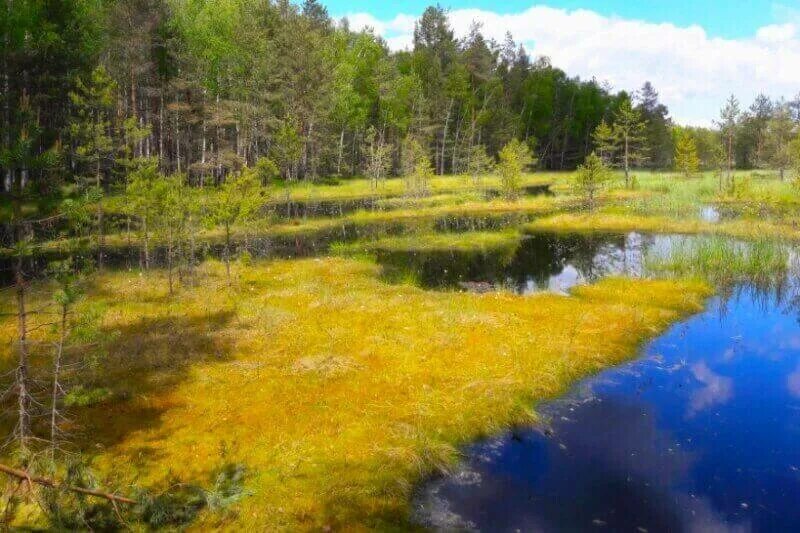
point(720, 18)
point(695, 52)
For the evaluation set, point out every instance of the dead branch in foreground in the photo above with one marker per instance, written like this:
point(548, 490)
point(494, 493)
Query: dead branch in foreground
point(46, 482)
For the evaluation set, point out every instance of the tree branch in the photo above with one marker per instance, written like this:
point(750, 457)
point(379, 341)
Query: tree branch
point(45, 482)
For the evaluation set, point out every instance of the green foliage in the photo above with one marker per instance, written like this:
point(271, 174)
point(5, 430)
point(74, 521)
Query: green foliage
point(591, 177)
point(794, 157)
point(237, 200)
point(378, 157)
point(143, 194)
point(478, 162)
point(82, 396)
point(266, 170)
point(514, 158)
point(629, 130)
point(606, 142)
point(181, 504)
point(287, 148)
point(176, 507)
point(686, 158)
point(69, 511)
point(91, 128)
point(779, 133)
point(417, 168)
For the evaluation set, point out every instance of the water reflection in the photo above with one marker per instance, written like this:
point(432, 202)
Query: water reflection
point(701, 434)
point(538, 262)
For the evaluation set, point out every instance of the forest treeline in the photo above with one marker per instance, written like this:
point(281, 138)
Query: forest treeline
point(210, 86)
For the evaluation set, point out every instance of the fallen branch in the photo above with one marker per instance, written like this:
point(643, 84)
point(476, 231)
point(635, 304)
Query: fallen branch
point(46, 482)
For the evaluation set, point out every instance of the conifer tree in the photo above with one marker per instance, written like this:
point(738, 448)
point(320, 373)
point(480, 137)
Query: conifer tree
point(91, 130)
point(629, 130)
point(686, 158)
point(236, 202)
point(606, 143)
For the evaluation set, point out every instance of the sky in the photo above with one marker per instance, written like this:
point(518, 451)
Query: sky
point(695, 52)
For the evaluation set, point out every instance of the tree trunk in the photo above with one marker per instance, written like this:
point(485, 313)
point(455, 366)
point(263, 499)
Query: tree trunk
point(341, 150)
point(100, 232)
point(56, 383)
point(177, 146)
point(169, 261)
point(453, 164)
point(161, 129)
point(228, 252)
point(146, 243)
point(203, 157)
point(444, 136)
point(23, 392)
point(191, 256)
point(626, 163)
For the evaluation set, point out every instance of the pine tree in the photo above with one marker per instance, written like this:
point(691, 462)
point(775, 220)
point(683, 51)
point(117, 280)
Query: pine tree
point(686, 158)
point(590, 179)
point(629, 130)
point(236, 202)
point(606, 142)
point(91, 130)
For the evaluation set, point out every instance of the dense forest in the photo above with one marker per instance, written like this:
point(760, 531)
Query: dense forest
point(208, 87)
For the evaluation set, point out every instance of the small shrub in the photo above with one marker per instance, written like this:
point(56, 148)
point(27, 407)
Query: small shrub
point(81, 396)
point(514, 158)
point(181, 503)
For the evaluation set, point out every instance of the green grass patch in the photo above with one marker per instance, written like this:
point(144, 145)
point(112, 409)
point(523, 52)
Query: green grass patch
point(723, 261)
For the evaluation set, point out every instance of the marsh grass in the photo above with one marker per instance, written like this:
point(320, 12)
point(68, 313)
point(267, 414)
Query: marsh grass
point(724, 262)
point(417, 374)
point(615, 220)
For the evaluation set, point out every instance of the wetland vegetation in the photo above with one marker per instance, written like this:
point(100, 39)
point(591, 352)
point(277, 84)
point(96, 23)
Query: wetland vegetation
point(322, 301)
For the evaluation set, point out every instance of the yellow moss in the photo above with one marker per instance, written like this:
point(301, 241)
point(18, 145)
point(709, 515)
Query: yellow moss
point(605, 221)
point(337, 390)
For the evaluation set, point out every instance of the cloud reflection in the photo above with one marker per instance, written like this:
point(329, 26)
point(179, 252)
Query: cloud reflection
point(716, 389)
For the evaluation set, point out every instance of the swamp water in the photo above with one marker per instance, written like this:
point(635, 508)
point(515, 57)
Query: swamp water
point(531, 264)
point(700, 433)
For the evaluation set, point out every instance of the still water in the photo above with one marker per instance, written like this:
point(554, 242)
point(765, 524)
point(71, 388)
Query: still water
point(535, 263)
point(701, 433)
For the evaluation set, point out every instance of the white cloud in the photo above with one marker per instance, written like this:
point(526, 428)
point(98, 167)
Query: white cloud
point(693, 72)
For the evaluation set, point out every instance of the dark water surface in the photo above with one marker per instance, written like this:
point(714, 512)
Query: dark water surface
point(535, 263)
point(701, 433)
